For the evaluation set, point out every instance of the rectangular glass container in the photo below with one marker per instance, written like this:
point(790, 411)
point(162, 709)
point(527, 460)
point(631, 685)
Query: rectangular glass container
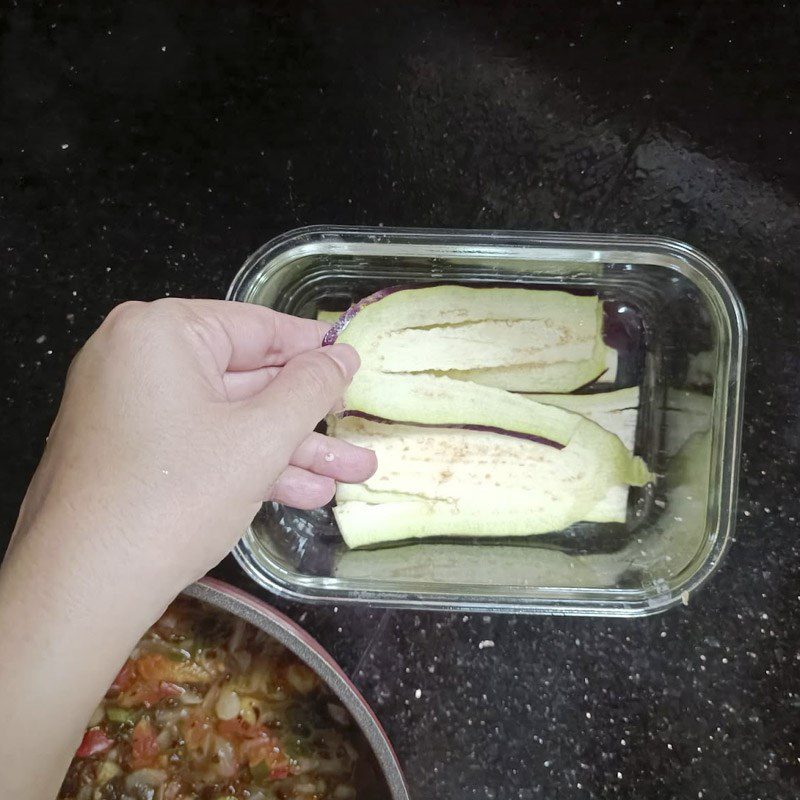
point(681, 333)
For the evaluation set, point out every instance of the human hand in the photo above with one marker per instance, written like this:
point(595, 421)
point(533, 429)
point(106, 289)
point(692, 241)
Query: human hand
point(178, 419)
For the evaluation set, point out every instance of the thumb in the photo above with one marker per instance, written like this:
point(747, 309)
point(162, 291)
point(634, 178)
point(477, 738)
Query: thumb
point(300, 395)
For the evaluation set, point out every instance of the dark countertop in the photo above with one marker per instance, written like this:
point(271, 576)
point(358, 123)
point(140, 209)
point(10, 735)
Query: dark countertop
point(149, 147)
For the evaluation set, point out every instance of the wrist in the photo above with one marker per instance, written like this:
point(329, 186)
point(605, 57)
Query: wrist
point(65, 633)
point(89, 567)
point(75, 577)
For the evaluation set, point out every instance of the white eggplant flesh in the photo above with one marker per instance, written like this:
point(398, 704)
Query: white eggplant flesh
point(540, 353)
point(480, 345)
point(617, 411)
point(438, 400)
point(514, 339)
point(561, 376)
point(478, 483)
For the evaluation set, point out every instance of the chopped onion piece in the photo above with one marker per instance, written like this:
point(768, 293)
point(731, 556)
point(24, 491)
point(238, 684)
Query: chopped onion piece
point(301, 678)
point(243, 659)
point(146, 777)
point(107, 771)
point(166, 737)
point(338, 714)
point(228, 705)
point(226, 764)
point(304, 764)
point(351, 751)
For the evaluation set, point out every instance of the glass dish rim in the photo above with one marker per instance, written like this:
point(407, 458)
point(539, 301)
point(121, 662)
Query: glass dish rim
point(588, 248)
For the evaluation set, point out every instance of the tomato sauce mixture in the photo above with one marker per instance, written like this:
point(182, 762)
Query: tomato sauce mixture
point(208, 707)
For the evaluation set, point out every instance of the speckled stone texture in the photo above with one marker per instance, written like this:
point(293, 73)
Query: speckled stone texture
point(148, 147)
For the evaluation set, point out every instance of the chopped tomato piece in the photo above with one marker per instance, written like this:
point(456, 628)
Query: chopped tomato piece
point(237, 727)
point(94, 742)
point(167, 689)
point(144, 747)
point(155, 667)
point(278, 772)
point(148, 694)
point(266, 749)
point(132, 688)
point(125, 677)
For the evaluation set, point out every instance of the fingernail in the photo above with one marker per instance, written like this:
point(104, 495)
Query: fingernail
point(345, 356)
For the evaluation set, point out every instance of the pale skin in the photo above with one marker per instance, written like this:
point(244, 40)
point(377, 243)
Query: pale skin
point(179, 418)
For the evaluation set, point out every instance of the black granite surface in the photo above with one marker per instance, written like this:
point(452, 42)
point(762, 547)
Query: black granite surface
point(148, 147)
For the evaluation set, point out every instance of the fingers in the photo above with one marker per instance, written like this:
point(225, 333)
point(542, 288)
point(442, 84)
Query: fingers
point(298, 397)
point(237, 336)
point(243, 336)
point(335, 459)
point(241, 385)
point(310, 480)
point(299, 488)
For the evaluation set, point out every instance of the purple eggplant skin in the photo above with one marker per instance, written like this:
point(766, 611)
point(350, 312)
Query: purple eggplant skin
point(341, 323)
point(481, 428)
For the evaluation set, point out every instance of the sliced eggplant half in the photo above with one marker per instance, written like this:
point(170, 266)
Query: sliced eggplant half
point(463, 482)
point(514, 339)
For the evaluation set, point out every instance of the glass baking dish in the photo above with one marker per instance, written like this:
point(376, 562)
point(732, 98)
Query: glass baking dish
point(680, 330)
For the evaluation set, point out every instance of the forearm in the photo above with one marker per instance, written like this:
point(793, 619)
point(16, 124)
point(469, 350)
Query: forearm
point(65, 634)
